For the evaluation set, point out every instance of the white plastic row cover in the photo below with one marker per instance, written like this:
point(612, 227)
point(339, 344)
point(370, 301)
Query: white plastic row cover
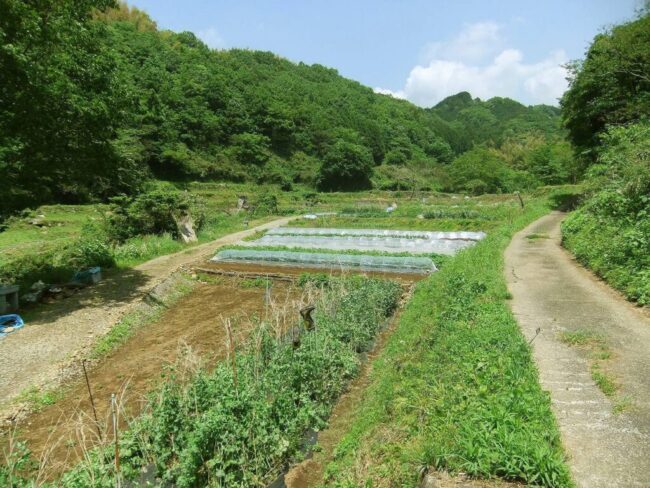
point(411, 234)
point(419, 265)
point(363, 243)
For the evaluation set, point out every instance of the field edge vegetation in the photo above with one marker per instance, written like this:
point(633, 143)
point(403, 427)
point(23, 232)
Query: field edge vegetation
point(456, 388)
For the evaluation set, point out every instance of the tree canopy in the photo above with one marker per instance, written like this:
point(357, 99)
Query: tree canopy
point(611, 86)
point(94, 100)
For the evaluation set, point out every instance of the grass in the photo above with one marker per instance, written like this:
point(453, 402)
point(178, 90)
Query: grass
point(622, 404)
point(258, 282)
point(61, 223)
point(209, 278)
point(535, 236)
point(455, 387)
point(604, 381)
point(580, 337)
point(36, 399)
point(600, 353)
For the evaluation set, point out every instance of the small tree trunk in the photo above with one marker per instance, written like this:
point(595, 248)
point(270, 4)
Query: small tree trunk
point(185, 226)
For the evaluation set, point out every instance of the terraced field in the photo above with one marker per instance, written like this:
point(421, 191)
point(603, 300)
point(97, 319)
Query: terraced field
point(257, 377)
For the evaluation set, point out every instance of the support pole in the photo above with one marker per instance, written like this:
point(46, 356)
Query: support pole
point(521, 200)
point(92, 400)
point(231, 348)
point(118, 482)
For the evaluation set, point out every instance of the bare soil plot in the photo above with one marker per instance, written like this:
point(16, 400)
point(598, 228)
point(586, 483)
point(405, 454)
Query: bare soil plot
point(248, 270)
point(192, 326)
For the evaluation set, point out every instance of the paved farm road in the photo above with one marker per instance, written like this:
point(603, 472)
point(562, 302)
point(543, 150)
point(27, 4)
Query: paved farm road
point(550, 291)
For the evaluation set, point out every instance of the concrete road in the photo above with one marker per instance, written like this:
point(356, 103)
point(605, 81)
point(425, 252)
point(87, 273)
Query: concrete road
point(552, 292)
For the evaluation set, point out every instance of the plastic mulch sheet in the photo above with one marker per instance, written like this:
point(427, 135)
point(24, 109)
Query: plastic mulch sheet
point(389, 264)
point(364, 243)
point(409, 234)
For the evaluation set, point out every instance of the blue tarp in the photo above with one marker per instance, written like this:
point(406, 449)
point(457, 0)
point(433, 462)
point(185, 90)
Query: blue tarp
point(10, 323)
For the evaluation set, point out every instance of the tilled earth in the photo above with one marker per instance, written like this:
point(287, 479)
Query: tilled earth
point(191, 331)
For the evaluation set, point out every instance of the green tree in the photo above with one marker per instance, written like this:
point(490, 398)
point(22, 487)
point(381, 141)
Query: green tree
point(250, 148)
point(60, 104)
point(482, 171)
point(611, 86)
point(552, 163)
point(346, 166)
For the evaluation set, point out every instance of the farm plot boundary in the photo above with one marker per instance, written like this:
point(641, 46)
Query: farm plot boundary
point(242, 422)
point(456, 389)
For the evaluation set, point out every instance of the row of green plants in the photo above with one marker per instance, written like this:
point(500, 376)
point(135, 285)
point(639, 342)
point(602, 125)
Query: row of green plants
point(239, 423)
point(400, 222)
point(428, 213)
point(456, 388)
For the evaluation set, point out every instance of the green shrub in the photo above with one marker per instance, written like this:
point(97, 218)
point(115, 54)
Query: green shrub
point(610, 233)
point(91, 251)
point(346, 166)
point(265, 204)
point(153, 212)
point(566, 199)
point(250, 148)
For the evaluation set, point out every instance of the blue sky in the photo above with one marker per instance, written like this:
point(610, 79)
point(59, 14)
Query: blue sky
point(415, 49)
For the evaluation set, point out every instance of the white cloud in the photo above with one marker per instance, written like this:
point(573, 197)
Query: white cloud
point(472, 44)
point(475, 61)
point(211, 37)
point(386, 91)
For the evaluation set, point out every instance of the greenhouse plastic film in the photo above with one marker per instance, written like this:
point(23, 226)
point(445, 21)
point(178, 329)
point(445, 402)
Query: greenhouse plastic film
point(364, 243)
point(361, 262)
point(411, 234)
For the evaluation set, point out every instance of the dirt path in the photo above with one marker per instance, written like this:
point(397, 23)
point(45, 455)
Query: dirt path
point(37, 355)
point(551, 292)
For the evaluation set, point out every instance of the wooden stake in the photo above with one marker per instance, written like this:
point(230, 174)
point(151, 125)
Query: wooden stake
point(231, 347)
point(267, 298)
point(118, 482)
point(92, 400)
point(521, 200)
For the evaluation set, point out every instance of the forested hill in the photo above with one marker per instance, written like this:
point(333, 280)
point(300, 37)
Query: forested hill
point(497, 119)
point(95, 100)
